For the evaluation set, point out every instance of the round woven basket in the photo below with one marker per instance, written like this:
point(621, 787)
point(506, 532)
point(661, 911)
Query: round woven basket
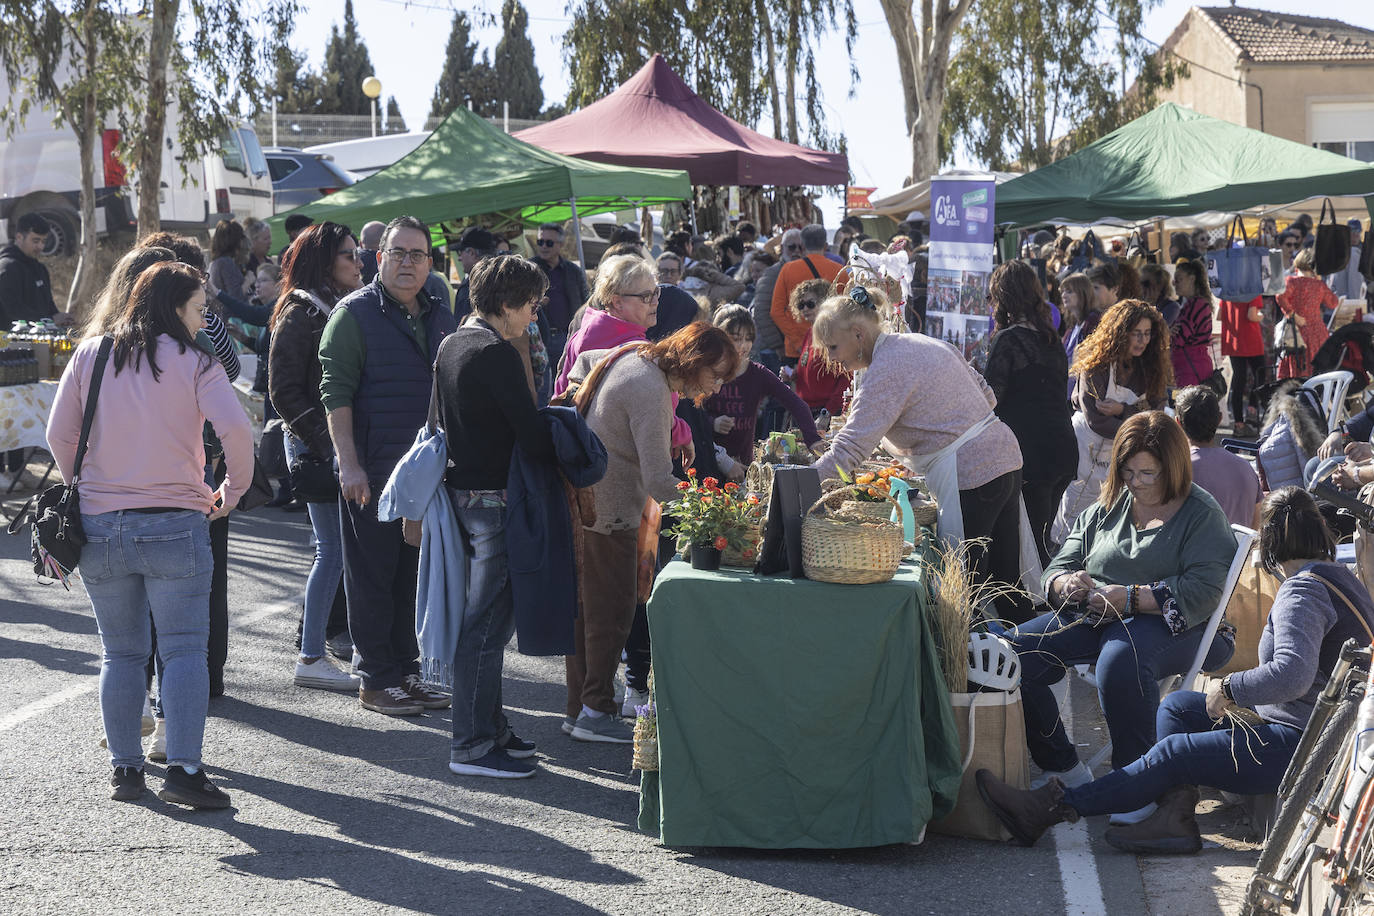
point(925, 512)
point(881, 511)
point(849, 549)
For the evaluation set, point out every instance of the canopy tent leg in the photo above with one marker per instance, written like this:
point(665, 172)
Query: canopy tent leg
point(693, 211)
point(577, 229)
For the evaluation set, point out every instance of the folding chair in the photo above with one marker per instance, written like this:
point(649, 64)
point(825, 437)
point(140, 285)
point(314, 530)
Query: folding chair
point(1331, 388)
point(1244, 538)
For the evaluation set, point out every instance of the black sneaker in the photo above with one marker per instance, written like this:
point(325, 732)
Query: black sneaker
point(126, 783)
point(192, 789)
point(518, 747)
point(495, 763)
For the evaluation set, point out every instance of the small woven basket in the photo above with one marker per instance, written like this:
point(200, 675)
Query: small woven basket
point(646, 734)
point(881, 511)
point(849, 549)
point(925, 512)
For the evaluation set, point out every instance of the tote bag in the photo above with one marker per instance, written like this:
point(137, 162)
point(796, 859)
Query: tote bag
point(1235, 273)
point(1333, 243)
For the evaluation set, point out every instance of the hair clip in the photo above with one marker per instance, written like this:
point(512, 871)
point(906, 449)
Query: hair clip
point(860, 296)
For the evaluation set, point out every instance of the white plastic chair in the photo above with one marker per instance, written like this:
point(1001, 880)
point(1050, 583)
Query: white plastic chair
point(1331, 389)
point(1245, 537)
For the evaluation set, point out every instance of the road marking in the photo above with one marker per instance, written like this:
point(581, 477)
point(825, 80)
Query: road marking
point(53, 700)
point(1073, 851)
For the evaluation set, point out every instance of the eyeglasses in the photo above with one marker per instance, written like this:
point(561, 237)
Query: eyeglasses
point(806, 305)
point(353, 254)
point(651, 296)
point(407, 255)
point(546, 243)
point(1145, 477)
point(1142, 335)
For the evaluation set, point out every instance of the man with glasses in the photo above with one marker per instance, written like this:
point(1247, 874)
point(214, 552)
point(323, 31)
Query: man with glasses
point(813, 265)
point(568, 288)
point(377, 354)
point(669, 268)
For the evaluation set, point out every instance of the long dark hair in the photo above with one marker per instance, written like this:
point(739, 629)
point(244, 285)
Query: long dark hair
point(152, 311)
point(1016, 296)
point(309, 263)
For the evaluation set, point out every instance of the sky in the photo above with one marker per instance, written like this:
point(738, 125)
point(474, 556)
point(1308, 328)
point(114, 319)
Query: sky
point(406, 41)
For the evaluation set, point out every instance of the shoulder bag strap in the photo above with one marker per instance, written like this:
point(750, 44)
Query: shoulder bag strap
point(102, 357)
point(583, 399)
point(811, 267)
point(1348, 603)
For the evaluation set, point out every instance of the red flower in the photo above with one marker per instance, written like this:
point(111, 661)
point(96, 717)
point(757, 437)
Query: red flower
point(752, 500)
point(711, 483)
point(722, 542)
point(691, 472)
point(731, 487)
point(682, 484)
point(706, 497)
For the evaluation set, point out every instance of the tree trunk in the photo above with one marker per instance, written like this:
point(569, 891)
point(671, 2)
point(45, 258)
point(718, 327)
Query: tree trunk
point(793, 47)
point(150, 150)
point(907, 40)
point(86, 282)
point(766, 24)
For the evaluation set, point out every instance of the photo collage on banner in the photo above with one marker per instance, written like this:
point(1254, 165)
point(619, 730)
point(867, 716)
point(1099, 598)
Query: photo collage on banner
point(961, 260)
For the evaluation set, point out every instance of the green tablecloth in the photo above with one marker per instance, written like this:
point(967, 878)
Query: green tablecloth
point(794, 713)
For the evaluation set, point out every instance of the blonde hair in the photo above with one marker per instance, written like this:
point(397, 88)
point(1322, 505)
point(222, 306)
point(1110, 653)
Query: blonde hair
point(840, 313)
point(615, 276)
point(1305, 260)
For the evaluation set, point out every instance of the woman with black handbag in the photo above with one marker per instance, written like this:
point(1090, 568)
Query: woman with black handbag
point(319, 269)
point(145, 512)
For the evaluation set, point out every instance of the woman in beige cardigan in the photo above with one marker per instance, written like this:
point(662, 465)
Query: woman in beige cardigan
point(631, 412)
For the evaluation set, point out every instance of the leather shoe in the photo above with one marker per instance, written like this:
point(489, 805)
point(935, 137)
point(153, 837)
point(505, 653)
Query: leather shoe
point(1026, 813)
point(1171, 829)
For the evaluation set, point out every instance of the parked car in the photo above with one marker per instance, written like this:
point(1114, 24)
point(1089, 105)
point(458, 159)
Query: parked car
point(300, 177)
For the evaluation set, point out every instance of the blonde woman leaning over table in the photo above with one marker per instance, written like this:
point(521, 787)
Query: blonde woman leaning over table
point(921, 401)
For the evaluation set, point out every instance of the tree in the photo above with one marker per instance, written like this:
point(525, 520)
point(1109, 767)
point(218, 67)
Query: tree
point(395, 121)
point(296, 87)
point(923, 64)
point(460, 57)
point(513, 62)
point(1024, 73)
point(347, 64)
point(78, 64)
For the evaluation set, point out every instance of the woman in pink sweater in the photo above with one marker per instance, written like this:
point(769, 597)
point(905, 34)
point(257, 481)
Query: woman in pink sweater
point(623, 306)
point(146, 508)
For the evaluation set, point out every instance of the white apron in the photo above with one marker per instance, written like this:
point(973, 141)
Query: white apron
point(1094, 456)
point(941, 471)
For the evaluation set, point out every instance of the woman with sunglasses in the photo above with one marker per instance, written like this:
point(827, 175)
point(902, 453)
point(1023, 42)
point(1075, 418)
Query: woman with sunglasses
point(1123, 368)
point(819, 382)
point(319, 269)
point(145, 512)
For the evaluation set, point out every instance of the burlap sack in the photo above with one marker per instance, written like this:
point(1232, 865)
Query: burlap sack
point(999, 745)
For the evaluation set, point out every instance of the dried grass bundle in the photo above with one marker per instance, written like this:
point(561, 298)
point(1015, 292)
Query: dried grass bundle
point(958, 602)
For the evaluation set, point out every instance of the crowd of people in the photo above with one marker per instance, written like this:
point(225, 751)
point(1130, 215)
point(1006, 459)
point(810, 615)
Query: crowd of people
point(561, 403)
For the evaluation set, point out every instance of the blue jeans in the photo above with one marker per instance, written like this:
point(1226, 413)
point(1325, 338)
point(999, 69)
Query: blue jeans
point(326, 571)
point(1193, 751)
point(479, 721)
point(134, 563)
point(1131, 657)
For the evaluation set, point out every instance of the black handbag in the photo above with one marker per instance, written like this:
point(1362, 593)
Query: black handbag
point(272, 449)
point(259, 492)
point(313, 480)
point(1333, 243)
point(57, 536)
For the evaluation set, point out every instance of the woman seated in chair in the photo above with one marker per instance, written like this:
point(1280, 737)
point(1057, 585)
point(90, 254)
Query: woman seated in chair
point(1318, 607)
point(1137, 580)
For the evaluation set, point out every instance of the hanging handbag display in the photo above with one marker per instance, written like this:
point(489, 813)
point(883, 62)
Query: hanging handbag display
point(57, 536)
point(1333, 242)
point(1236, 273)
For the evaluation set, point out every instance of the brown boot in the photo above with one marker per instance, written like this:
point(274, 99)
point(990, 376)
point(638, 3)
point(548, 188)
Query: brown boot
point(1171, 829)
point(1026, 813)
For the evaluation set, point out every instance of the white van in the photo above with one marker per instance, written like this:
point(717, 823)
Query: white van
point(40, 172)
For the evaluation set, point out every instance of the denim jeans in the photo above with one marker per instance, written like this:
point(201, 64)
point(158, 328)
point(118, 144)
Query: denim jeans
point(479, 721)
point(1131, 657)
point(1193, 751)
point(322, 584)
point(134, 563)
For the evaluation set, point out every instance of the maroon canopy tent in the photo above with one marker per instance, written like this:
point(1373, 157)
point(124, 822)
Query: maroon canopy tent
point(655, 120)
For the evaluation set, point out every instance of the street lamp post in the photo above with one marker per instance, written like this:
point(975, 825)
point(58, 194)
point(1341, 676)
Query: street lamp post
point(372, 88)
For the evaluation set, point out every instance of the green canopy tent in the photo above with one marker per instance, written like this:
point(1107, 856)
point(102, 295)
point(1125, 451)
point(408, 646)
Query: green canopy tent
point(1176, 162)
point(468, 167)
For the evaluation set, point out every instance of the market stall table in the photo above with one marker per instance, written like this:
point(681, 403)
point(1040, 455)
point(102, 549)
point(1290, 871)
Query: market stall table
point(794, 713)
point(24, 411)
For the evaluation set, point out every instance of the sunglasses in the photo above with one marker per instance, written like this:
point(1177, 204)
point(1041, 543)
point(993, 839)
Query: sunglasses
point(806, 305)
point(546, 243)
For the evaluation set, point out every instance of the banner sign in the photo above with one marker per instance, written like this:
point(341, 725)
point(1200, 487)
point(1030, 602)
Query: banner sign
point(962, 256)
point(857, 198)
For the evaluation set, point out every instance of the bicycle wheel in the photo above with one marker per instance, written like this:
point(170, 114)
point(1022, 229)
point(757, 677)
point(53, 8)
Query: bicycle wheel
point(1352, 884)
point(1302, 814)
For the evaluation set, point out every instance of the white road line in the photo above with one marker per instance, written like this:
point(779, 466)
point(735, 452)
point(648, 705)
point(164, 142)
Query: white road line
point(29, 711)
point(1073, 852)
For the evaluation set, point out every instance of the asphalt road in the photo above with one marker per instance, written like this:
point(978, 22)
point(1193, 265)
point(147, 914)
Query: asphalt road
point(341, 810)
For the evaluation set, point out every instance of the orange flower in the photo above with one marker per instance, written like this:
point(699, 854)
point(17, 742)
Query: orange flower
point(691, 472)
point(864, 478)
point(711, 483)
point(731, 487)
point(682, 484)
point(752, 500)
point(721, 542)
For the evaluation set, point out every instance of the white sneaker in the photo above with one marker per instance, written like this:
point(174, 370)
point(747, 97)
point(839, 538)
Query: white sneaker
point(619, 695)
point(322, 675)
point(1132, 817)
point(1078, 776)
point(357, 660)
point(633, 698)
point(157, 748)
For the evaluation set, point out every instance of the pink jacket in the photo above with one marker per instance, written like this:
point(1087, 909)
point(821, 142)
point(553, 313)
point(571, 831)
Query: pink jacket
point(601, 330)
point(146, 449)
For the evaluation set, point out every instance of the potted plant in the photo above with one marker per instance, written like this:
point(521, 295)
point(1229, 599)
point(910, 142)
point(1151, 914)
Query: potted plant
point(710, 519)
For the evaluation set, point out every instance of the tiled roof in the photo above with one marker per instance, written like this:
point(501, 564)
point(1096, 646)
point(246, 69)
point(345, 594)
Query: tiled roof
point(1266, 37)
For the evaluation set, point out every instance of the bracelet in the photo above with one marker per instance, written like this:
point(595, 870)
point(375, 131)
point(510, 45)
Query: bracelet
point(1226, 688)
point(1132, 595)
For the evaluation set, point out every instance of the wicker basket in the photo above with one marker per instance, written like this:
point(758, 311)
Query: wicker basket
point(850, 550)
point(925, 512)
point(881, 511)
point(646, 744)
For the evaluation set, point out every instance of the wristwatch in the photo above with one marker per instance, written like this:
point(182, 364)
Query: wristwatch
point(1226, 688)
